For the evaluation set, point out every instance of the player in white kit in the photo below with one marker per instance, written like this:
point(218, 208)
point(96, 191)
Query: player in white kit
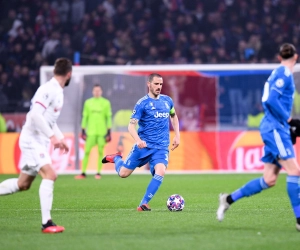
point(38, 131)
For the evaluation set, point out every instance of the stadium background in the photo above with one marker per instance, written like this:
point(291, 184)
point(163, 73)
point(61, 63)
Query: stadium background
point(219, 111)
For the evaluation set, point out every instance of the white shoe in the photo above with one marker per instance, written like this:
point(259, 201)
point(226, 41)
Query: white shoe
point(223, 206)
point(298, 227)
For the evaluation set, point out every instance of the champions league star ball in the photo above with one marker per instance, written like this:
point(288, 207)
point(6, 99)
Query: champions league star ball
point(175, 203)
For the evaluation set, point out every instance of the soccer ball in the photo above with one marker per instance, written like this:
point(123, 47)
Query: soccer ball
point(175, 203)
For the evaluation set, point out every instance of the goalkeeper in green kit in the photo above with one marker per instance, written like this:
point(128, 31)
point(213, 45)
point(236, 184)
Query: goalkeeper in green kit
point(96, 124)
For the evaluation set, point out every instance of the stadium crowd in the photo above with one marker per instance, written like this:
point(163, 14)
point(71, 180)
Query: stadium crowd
point(118, 32)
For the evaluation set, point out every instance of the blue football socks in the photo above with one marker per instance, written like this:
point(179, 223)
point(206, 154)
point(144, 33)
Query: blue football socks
point(252, 187)
point(118, 163)
point(293, 189)
point(152, 188)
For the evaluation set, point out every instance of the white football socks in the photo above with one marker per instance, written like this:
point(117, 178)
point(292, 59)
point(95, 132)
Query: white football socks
point(9, 186)
point(46, 199)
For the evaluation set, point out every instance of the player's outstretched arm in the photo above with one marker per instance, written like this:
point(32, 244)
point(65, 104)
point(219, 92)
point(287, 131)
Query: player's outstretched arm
point(132, 130)
point(175, 124)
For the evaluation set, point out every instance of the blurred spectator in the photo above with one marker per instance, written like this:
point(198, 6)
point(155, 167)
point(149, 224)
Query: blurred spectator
point(62, 7)
point(116, 32)
point(62, 49)
point(174, 5)
point(3, 100)
point(9, 90)
point(108, 5)
point(7, 22)
point(50, 45)
point(16, 29)
point(32, 83)
point(25, 101)
point(77, 11)
point(153, 55)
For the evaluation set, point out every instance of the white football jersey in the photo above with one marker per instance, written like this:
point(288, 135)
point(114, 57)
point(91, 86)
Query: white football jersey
point(50, 96)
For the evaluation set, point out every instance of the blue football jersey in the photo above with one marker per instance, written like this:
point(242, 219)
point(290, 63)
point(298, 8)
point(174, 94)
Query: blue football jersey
point(153, 116)
point(277, 99)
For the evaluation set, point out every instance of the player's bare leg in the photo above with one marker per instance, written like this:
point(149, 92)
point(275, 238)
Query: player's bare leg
point(46, 199)
point(125, 172)
point(293, 187)
point(255, 186)
point(14, 185)
point(25, 181)
point(116, 158)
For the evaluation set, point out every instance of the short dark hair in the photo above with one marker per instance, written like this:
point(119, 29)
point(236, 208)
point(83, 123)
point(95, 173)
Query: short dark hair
point(97, 86)
point(287, 50)
point(62, 66)
point(151, 76)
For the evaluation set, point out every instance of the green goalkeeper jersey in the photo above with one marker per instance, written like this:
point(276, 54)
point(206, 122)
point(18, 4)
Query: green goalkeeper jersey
point(96, 116)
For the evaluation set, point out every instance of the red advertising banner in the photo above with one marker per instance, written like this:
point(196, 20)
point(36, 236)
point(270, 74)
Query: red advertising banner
point(234, 151)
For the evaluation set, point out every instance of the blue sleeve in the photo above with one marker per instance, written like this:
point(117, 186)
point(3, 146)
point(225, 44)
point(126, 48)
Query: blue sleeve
point(137, 111)
point(172, 109)
point(280, 83)
point(171, 103)
point(275, 106)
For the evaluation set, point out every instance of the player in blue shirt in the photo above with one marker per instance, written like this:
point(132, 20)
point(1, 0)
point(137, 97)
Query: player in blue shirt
point(152, 114)
point(277, 100)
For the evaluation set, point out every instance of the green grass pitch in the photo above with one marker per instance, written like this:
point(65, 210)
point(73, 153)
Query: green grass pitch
point(101, 214)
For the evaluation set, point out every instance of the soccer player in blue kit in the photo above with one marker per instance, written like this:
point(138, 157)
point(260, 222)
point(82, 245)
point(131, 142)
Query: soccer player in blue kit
point(277, 100)
point(152, 114)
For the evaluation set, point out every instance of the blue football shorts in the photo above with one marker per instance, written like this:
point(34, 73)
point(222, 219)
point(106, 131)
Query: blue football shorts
point(278, 145)
point(138, 157)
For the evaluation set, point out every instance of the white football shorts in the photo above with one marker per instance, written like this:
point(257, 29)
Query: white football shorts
point(34, 153)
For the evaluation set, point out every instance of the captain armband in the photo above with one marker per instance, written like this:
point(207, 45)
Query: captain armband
point(172, 112)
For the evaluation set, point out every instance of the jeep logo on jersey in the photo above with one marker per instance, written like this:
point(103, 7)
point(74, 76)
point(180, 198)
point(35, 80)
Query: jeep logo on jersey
point(160, 115)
